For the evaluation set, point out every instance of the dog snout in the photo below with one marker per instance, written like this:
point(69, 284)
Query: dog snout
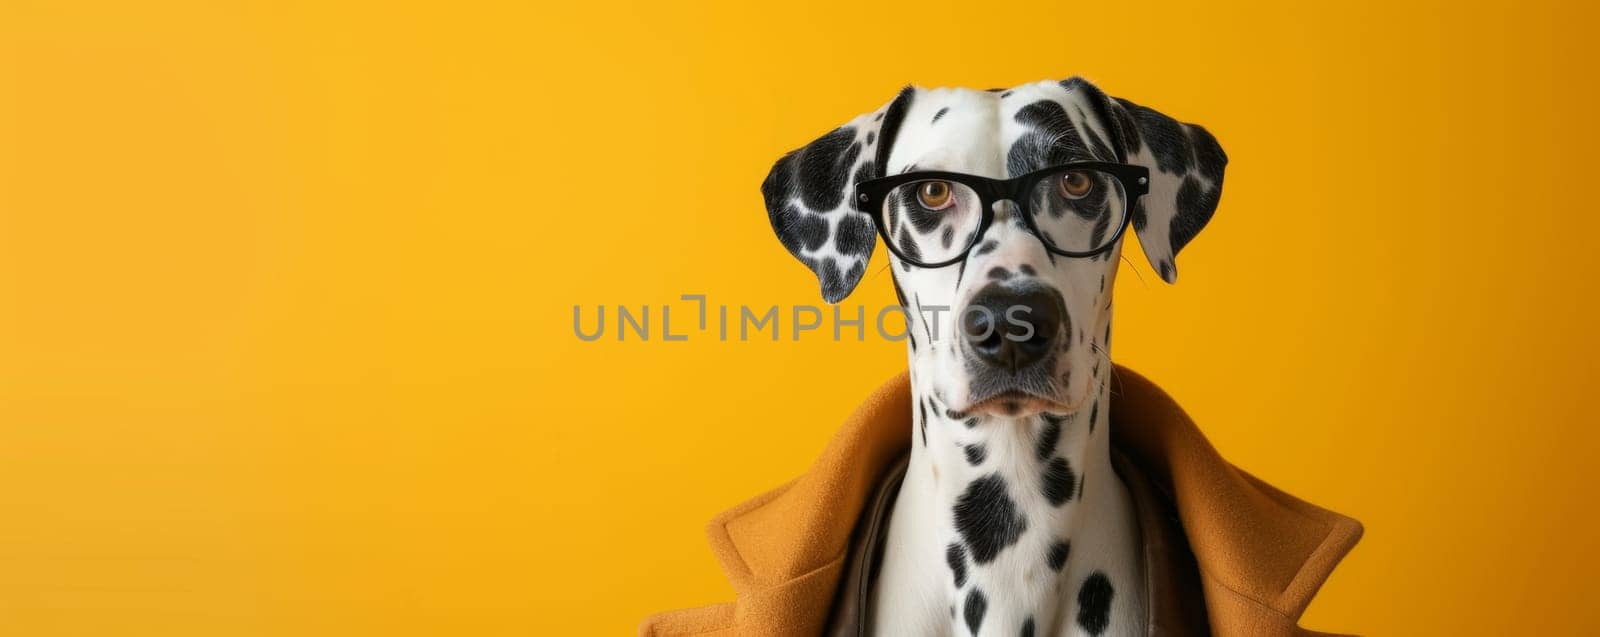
point(1011, 328)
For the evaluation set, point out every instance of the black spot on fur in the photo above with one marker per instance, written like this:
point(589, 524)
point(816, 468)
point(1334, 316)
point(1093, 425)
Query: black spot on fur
point(892, 116)
point(1097, 236)
point(976, 605)
point(1051, 140)
point(923, 407)
point(1195, 205)
point(800, 230)
point(1074, 83)
point(1005, 95)
point(1208, 156)
point(952, 414)
point(975, 454)
point(1127, 126)
point(1058, 554)
point(779, 187)
point(1097, 144)
point(867, 170)
point(854, 236)
point(939, 114)
point(824, 167)
point(871, 136)
point(956, 557)
point(987, 247)
point(1041, 113)
point(921, 218)
point(834, 286)
point(1094, 414)
point(926, 330)
point(970, 422)
point(1059, 482)
point(1027, 269)
point(987, 518)
point(908, 247)
point(1108, 116)
point(949, 237)
point(1027, 627)
point(1163, 135)
point(1137, 213)
point(1049, 435)
point(1094, 603)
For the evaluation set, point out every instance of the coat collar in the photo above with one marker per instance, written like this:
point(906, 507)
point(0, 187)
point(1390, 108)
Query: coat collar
point(1261, 553)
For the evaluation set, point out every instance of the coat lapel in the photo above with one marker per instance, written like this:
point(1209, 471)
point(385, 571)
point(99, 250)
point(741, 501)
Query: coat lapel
point(1261, 553)
point(784, 550)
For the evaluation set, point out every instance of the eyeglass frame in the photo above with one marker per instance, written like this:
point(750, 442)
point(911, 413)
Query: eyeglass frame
point(869, 196)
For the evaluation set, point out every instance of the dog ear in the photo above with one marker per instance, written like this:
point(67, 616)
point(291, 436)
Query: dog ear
point(1185, 164)
point(808, 191)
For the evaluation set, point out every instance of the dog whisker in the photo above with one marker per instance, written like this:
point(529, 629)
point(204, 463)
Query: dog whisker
point(1135, 269)
point(1105, 357)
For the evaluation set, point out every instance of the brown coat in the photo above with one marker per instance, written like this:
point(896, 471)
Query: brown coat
point(1253, 554)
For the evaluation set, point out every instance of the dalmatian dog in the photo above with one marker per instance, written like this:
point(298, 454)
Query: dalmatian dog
point(1010, 520)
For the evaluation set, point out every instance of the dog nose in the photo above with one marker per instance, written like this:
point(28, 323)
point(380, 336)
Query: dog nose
point(1012, 328)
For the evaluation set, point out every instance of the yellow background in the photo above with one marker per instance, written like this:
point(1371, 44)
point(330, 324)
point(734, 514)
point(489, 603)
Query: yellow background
point(286, 295)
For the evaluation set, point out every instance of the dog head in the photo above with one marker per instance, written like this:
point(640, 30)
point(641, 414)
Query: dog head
point(1008, 324)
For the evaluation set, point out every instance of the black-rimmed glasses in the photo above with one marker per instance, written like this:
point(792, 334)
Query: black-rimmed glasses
point(932, 219)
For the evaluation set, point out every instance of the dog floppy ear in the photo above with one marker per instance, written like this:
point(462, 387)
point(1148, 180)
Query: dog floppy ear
point(1185, 164)
point(808, 196)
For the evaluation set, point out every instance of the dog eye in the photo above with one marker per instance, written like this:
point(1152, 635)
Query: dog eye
point(935, 195)
point(1075, 184)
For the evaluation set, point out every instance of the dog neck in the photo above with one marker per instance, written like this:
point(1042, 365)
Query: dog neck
point(1018, 500)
